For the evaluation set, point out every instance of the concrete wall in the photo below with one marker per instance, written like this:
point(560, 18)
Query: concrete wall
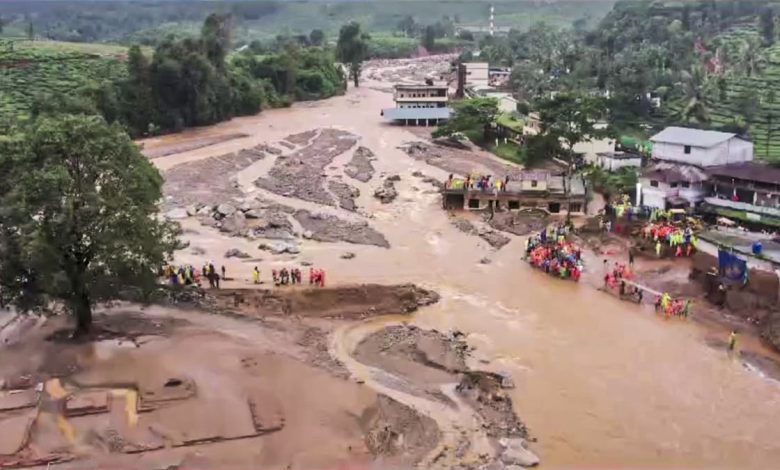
point(614, 164)
point(654, 197)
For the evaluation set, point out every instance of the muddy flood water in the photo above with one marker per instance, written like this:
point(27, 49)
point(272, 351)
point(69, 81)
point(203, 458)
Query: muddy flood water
point(598, 382)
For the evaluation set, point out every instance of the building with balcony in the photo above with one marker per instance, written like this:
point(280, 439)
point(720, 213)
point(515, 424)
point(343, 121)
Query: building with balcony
point(677, 173)
point(528, 190)
point(748, 192)
point(420, 105)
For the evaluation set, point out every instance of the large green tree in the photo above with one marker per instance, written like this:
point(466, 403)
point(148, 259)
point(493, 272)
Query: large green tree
point(352, 49)
point(472, 117)
point(571, 118)
point(79, 216)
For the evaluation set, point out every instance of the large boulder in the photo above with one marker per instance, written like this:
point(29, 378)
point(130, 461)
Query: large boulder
point(177, 214)
point(254, 214)
point(236, 253)
point(225, 210)
point(516, 453)
point(234, 224)
point(281, 247)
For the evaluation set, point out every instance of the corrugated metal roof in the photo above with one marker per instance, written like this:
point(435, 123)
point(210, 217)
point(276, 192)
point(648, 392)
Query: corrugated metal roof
point(692, 137)
point(748, 171)
point(394, 114)
point(673, 173)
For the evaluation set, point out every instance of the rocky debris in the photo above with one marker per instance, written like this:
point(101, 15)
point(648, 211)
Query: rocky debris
point(197, 251)
point(360, 167)
point(348, 255)
point(516, 452)
point(236, 253)
point(307, 234)
point(301, 174)
point(329, 228)
point(344, 302)
point(394, 178)
point(225, 210)
point(387, 193)
point(427, 347)
point(770, 329)
point(315, 344)
point(494, 238)
point(520, 223)
point(286, 145)
point(393, 429)
point(268, 149)
point(483, 391)
point(177, 214)
point(345, 193)
point(301, 138)
point(208, 181)
point(459, 161)
point(192, 210)
point(485, 261)
point(281, 247)
point(234, 224)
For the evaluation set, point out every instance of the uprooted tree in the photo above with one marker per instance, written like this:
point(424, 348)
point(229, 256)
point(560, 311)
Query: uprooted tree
point(78, 216)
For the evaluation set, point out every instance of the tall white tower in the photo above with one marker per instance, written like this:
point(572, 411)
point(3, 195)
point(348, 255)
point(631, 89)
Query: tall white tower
point(492, 18)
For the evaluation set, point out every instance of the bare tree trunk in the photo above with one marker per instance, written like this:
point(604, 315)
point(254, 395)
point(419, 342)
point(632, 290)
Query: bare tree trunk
point(82, 310)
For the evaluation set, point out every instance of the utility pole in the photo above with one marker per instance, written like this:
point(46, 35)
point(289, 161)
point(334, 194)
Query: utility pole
point(492, 19)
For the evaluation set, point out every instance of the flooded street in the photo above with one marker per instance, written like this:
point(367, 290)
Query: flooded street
point(598, 382)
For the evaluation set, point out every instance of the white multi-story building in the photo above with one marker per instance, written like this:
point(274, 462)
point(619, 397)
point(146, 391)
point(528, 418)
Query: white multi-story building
point(419, 105)
point(677, 174)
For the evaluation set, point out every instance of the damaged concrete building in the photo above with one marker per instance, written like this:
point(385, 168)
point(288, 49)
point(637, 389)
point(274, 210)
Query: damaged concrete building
point(530, 190)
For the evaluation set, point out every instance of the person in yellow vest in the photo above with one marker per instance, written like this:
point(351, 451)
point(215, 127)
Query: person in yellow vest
point(256, 275)
point(733, 341)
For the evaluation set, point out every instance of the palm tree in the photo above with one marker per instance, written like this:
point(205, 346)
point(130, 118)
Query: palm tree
point(695, 84)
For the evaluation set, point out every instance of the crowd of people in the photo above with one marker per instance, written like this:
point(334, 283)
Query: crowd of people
point(187, 275)
point(673, 307)
point(551, 252)
point(681, 240)
point(478, 182)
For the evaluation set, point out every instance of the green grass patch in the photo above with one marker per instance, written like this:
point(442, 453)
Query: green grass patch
point(511, 123)
point(509, 152)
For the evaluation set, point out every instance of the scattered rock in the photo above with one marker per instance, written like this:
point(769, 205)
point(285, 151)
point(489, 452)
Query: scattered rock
point(394, 178)
point(345, 193)
point(348, 255)
point(236, 253)
point(387, 193)
point(205, 210)
point(280, 247)
point(177, 214)
point(225, 210)
point(308, 234)
point(485, 261)
point(360, 167)
point(329, 228)
point(234, 224)
point(198, 251)
point(418, 174)
point(494, 238)
point(192, 210)
point(516, 453)
point(253, 214)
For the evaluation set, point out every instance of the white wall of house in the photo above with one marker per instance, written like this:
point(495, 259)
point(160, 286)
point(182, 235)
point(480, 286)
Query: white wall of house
point(477, 73)
point(614, 164)
point(655, 196)
point(734, 150)
point(593, 148)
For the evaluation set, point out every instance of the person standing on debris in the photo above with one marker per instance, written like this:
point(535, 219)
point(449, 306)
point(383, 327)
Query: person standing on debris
point(256, 275)
point(733, 341)
point(223, 273)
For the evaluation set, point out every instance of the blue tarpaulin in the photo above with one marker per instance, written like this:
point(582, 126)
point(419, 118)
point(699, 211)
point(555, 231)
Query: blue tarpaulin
point(731, 267)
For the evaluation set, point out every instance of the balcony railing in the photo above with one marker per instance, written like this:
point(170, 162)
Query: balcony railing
point(743, 206)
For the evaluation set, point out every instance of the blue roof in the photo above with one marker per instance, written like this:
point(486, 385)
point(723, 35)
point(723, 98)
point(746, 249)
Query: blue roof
point(394, 114)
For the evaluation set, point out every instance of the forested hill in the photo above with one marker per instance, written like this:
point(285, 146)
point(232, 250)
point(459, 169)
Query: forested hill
point(149, 21)
point(715, 64)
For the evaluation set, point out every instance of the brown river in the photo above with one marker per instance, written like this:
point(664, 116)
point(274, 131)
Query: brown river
point(599, 383)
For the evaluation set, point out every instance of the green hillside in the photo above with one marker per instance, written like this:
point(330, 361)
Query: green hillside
point(30, 71)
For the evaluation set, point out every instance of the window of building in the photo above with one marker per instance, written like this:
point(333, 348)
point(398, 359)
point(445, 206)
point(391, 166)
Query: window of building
point(686, 184)
point(473, 203)
point(654, 183)
point(687, 150)
point(575, 207)
point(534, 183)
